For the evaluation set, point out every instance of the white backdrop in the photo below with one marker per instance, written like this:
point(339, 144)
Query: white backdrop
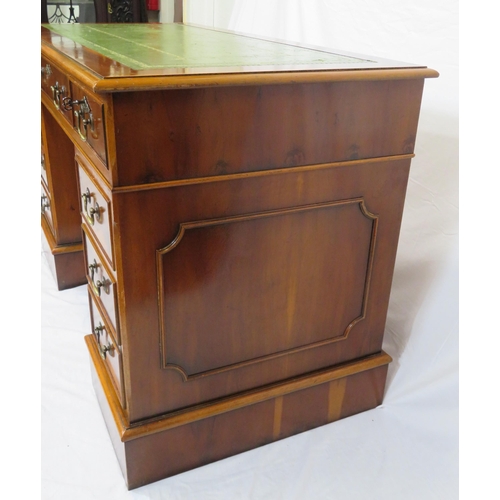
point(405, 449)
point(423, 315)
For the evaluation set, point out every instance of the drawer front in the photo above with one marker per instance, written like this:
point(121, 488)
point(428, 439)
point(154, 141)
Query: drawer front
point(108, 349)
point(56, 85)
point(46, 208)
point(96, 213)
point(88, 114)
point(102, 284)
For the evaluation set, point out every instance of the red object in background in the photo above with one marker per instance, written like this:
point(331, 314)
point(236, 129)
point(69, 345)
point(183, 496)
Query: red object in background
point(152, 5)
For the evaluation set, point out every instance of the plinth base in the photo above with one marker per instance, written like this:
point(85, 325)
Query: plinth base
point(66, 262)
point(179, 441)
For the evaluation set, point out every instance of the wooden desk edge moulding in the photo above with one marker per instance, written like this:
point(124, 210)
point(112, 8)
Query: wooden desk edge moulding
point(233, 205)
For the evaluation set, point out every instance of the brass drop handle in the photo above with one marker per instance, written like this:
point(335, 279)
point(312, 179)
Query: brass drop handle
point(91, 213)
point(57, 94)
point(45, 203)
point(83, 122)
point(103, 349)
point(98, 330)
point(99, 284)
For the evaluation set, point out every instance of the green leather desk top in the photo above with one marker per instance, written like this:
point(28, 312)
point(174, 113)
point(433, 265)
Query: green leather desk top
point(130, 57)
point(154, 46)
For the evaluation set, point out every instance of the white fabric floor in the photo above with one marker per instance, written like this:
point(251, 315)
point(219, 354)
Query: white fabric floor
point(405, 449)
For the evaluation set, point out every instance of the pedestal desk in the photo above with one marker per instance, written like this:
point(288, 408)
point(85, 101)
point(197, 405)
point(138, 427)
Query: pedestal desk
point(234, 206)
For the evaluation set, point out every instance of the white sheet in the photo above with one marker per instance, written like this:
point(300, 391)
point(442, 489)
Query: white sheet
point(405, 449)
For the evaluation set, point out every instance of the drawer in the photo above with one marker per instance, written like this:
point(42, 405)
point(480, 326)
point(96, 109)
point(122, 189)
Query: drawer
point(102, 284)
point(46, 208)
point(88, 119)
point(96, 212)
point(56, 85)
point(108, 349)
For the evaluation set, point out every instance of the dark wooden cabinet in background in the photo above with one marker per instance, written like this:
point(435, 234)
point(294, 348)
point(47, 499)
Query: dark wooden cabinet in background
point(240, 206)
point(102, 11)
point(121, 11)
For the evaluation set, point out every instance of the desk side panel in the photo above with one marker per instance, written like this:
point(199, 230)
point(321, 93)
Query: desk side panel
point(253, 249)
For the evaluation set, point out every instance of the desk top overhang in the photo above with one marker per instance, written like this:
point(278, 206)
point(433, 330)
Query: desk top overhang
point(131, 57)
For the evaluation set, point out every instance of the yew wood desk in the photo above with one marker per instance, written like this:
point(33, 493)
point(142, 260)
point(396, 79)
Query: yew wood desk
point(234, 205)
